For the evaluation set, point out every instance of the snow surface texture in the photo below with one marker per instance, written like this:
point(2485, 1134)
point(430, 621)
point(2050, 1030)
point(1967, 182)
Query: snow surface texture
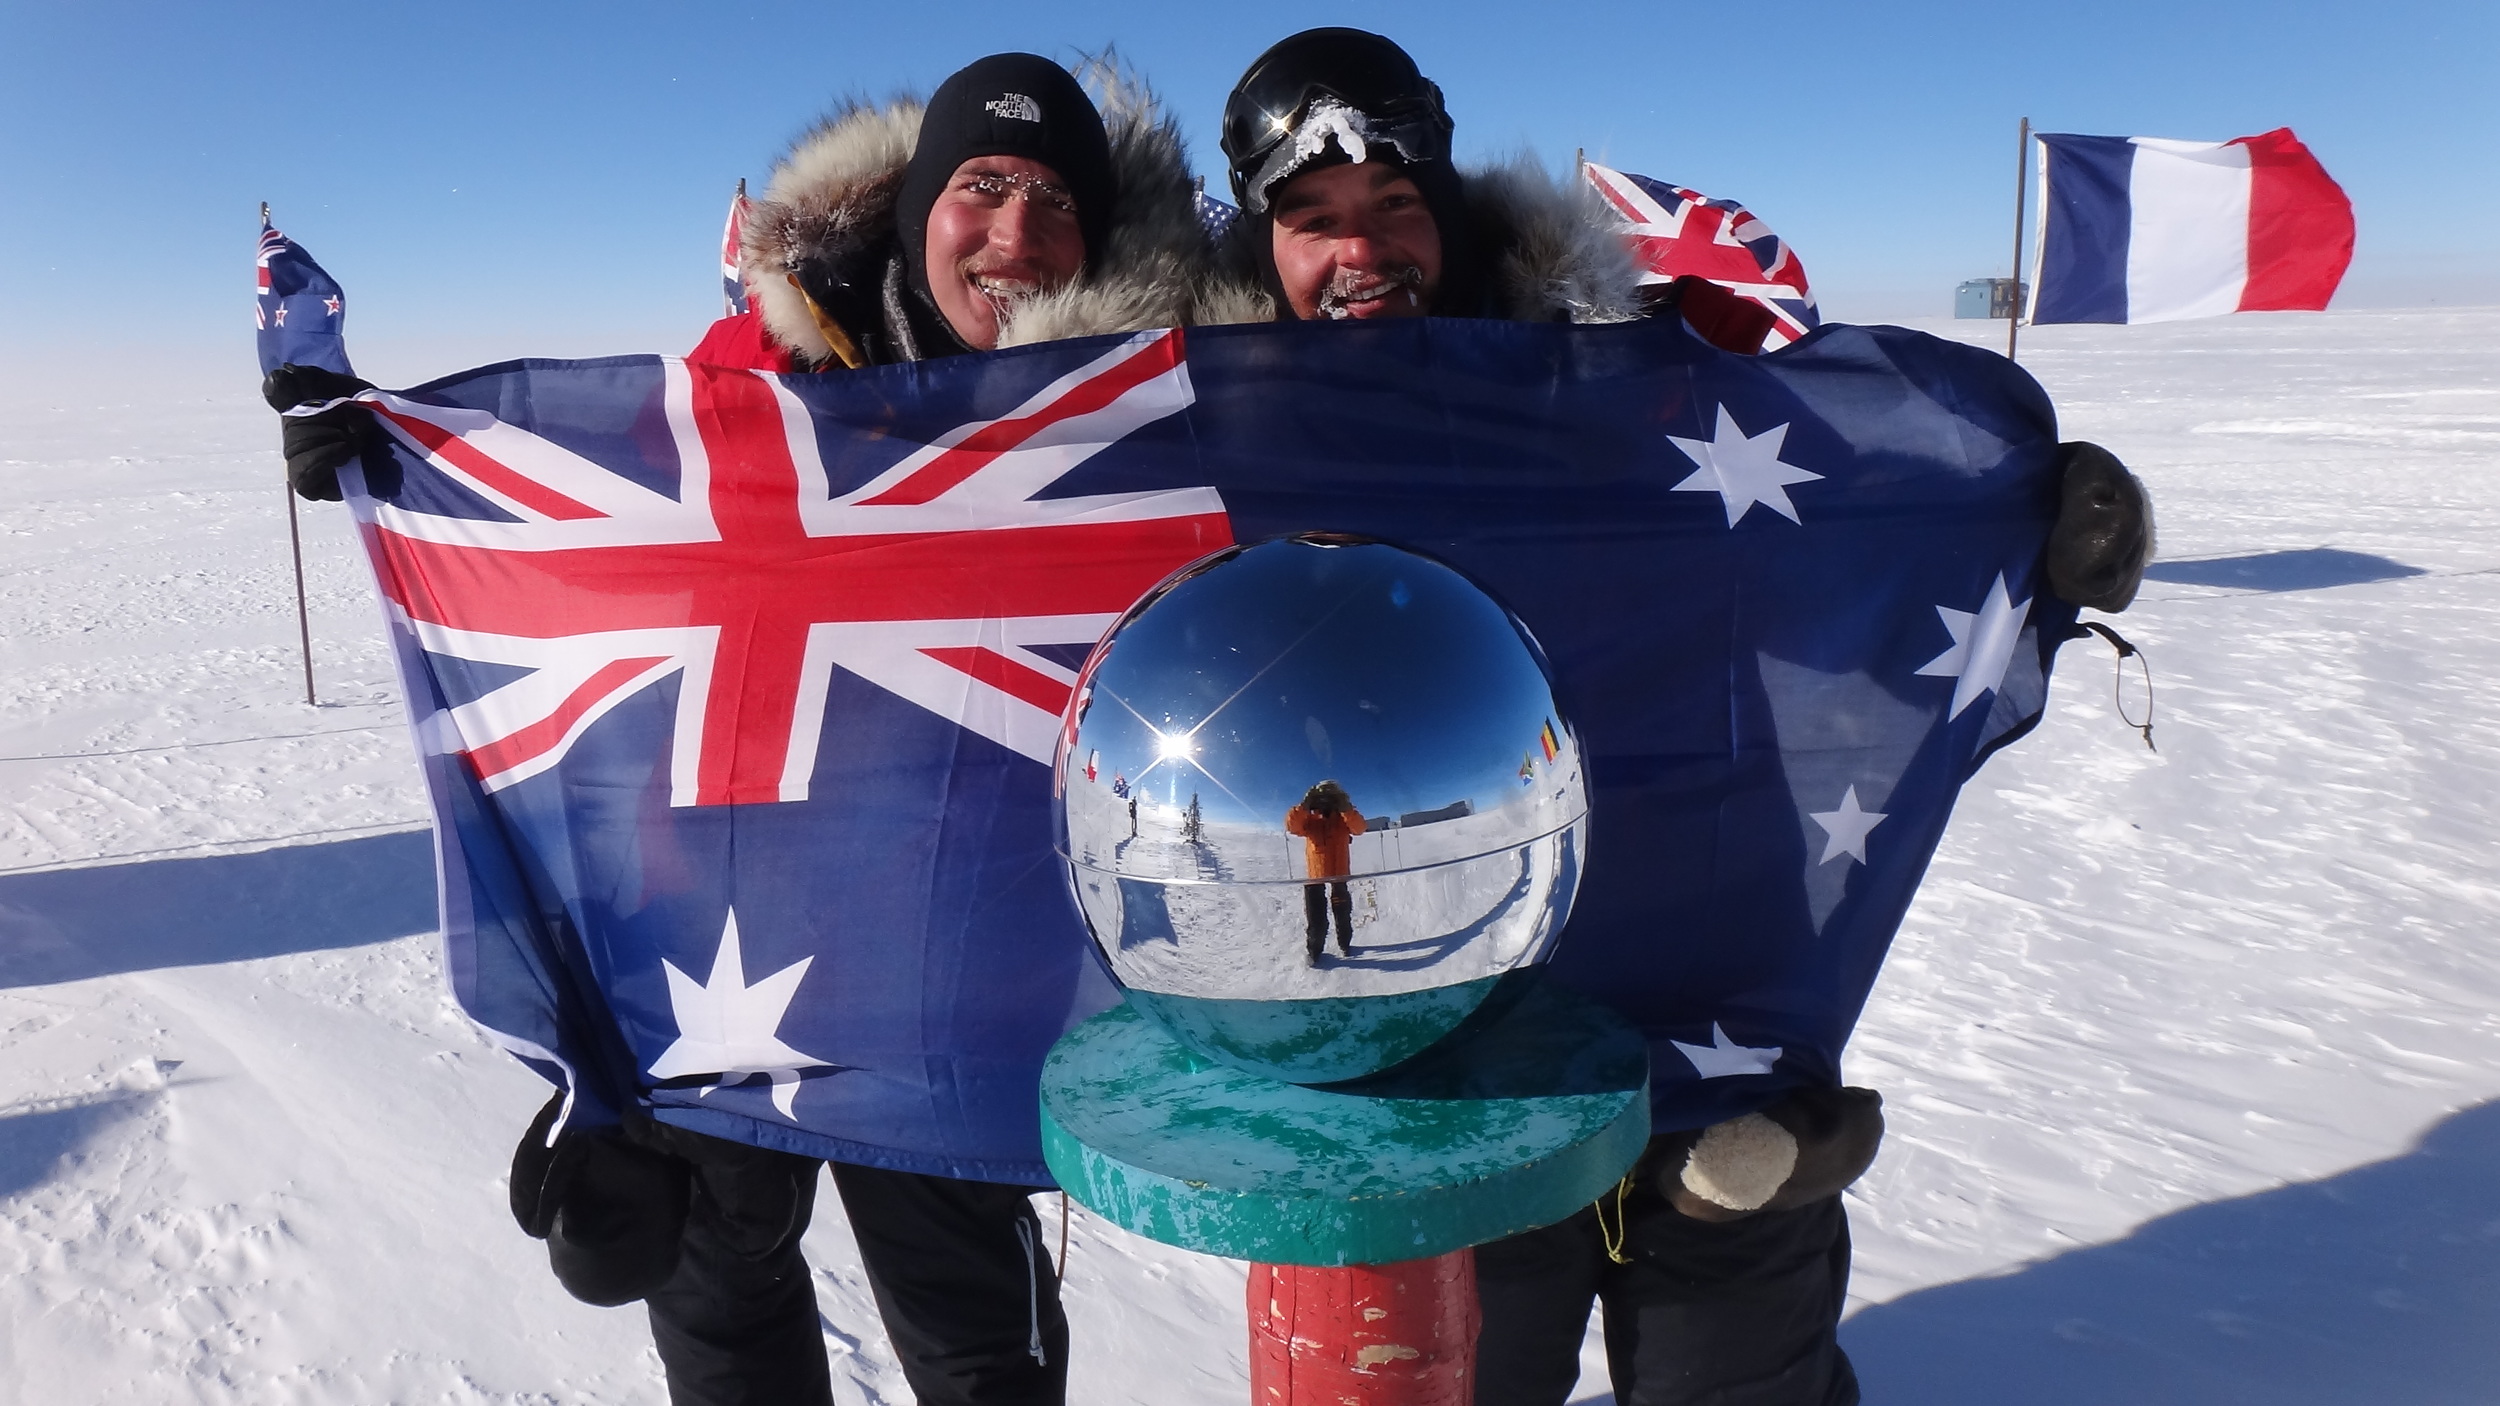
point(2192, 1059)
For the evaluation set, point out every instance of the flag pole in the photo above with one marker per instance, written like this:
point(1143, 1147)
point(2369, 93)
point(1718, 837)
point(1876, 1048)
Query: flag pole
point(2022, 178)
point(295, 549)
point(303, 618)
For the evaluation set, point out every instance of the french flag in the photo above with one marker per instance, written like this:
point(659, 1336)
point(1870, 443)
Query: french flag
point(2144, 229)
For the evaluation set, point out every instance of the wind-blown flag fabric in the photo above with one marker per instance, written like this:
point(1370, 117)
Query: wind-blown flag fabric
point(1674, 232)
point(733, 284)
point(298, 310)
point(737, 691)
point(2146, 229)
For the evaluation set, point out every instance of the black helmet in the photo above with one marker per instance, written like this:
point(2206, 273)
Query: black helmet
point(1381, 95)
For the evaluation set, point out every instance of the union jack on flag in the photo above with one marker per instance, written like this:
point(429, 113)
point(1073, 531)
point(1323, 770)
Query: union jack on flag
point(1674, 232)
point(942, 579)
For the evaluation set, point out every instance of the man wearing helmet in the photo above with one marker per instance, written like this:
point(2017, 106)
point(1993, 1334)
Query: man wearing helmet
point(1723, 1258)
point(1351, 208)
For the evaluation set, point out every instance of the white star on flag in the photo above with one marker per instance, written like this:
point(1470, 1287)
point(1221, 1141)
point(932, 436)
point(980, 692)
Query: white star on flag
point(1723, 1057)
point(1846, 827)
point(1983, 645)
point(1742, 469)
point(727, 1027)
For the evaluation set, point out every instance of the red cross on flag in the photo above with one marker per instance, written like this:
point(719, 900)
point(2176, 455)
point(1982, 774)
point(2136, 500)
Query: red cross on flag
point(1674, 232)
point(934, 580)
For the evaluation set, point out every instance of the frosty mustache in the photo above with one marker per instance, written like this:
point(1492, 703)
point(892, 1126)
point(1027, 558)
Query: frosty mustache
point(1351, 286)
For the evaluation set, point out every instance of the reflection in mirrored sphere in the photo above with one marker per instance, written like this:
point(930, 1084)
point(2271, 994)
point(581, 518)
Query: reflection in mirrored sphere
point(1316, 798)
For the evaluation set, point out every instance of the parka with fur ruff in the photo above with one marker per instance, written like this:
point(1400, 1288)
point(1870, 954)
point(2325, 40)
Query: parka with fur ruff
point(1552, 250)
point(830, 202)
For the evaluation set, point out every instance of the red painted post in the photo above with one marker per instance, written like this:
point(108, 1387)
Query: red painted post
point(1365, 1334)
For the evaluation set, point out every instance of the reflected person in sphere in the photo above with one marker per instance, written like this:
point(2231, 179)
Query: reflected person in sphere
point(1327, 821)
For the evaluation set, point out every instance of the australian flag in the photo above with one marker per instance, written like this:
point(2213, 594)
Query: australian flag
point(737, 692)
point(298, 308)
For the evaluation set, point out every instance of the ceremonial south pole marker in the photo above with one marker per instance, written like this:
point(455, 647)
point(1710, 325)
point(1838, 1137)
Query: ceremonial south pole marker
point(1517, 1125)
point(1312, 738)
point(1358, 1204)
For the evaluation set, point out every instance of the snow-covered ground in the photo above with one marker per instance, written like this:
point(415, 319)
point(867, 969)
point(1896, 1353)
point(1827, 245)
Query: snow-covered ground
point(2192, 1058)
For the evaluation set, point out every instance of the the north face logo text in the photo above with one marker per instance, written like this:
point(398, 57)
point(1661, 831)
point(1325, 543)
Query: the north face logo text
point(1015, 107)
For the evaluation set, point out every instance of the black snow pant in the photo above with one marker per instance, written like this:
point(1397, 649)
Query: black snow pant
point(960, 1271)
point(1318, 901)
point(1742, 1313)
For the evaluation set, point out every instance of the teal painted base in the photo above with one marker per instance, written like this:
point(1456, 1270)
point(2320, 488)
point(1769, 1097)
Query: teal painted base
point(1514, 1125)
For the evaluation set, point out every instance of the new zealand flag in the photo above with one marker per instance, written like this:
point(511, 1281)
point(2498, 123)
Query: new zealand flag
point(299, 311)
point(737, 691)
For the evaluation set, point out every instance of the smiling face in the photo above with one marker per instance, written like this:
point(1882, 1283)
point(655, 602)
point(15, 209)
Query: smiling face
point(1355, 240)
point(1003, 229)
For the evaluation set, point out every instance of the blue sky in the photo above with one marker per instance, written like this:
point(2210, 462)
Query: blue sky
point(518, 178)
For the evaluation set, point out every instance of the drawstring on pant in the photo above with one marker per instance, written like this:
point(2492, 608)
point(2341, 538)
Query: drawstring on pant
point(1033, 1292)
point(1613, 1237)
point(2126, 652)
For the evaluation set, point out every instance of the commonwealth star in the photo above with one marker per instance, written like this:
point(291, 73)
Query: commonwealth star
point(1742, 469)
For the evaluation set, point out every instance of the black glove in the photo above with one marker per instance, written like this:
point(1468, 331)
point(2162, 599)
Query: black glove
point(1809, 1145)
point(2103, 538)
point(317, 445)
point(613, 1213)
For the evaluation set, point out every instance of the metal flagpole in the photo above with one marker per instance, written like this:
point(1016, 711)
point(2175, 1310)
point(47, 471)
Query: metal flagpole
point(303, 618)
point(2022, 177)
point(295, 549)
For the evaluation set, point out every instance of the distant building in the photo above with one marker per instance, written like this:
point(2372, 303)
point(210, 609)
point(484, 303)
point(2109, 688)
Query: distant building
point(1989, 297)
point(1452, 811)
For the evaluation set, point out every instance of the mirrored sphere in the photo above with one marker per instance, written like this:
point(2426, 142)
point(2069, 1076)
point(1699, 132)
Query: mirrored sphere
point(1316, 799)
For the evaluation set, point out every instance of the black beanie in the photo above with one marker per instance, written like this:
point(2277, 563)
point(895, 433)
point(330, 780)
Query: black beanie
point(1006, 105)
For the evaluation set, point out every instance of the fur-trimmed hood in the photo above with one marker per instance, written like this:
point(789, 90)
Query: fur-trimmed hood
point(833, 194)
point(1553, 253)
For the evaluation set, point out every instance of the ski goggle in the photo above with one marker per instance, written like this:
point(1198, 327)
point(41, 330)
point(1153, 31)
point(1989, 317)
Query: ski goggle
point(1362, 72)
point(1356, 133)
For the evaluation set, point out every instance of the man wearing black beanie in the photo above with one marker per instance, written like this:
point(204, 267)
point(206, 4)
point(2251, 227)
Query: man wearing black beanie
point(1010, 131)
point(1007, 209)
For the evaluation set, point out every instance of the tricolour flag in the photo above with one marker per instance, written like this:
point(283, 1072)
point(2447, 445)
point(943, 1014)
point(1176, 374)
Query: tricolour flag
point(2145, 229)
point(1675, 231)
point(737, 693)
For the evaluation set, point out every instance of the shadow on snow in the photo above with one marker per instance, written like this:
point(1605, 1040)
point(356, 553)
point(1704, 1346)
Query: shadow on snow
point(2305, 569)
point(69, 924)
point(34, 1143)
point(2381, 1284)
